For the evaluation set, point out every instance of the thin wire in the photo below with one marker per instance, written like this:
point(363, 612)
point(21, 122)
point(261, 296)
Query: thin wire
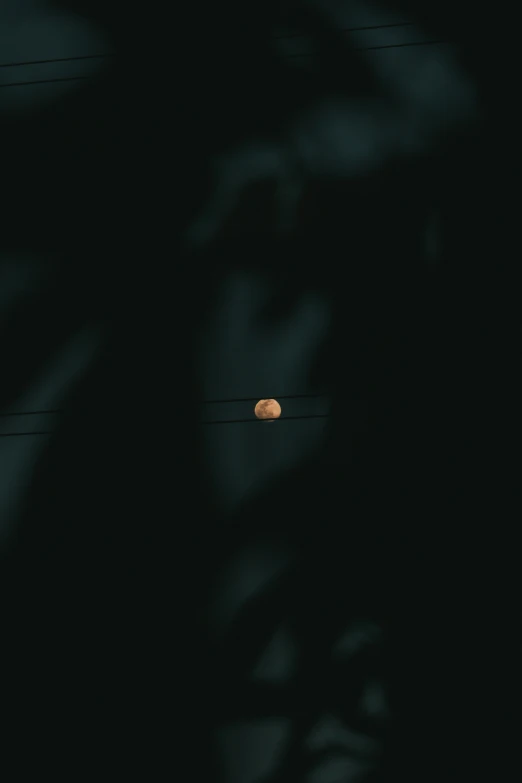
point(288, 56)
point(47, 81)
point(58, 60)
point(348, 30)
point(202, 402)
point(373, 48)
point(31, 413)
point(260, 421)
point(275, 38)
point(21, 434)
point(273, 397)
point(223, 421)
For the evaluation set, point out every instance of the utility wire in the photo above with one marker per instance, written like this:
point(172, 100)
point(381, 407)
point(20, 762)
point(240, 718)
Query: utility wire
point(59, 60)
point(215, 421)
point(275, 38)
point(286, 57)
point(48, 81)
point(202, 402)
point(22, 434)
point(373, 48)
point(347, 30)
point(261, 421)
point(273, 397)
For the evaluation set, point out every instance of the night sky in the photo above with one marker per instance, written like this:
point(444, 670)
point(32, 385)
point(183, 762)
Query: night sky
point(234, 205)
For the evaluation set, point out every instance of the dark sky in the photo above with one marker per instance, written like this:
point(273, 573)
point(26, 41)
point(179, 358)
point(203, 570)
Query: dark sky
point(244, 205)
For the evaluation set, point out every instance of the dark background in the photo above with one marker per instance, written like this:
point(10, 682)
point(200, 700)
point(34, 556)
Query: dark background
point(400, 516)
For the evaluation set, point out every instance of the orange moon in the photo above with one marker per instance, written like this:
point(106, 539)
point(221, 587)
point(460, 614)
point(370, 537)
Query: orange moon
point(267, 409)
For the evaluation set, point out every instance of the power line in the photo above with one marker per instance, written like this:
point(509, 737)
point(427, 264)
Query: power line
point(58, 60)
point(202, 402)
point(261, 421)
point(31, 413)
point(288, 56)
point(47, 81)
point(22, 434)
point(215, 421)
point(373, 48)
point(348, 30)
point(275, 38)
point(273, 397)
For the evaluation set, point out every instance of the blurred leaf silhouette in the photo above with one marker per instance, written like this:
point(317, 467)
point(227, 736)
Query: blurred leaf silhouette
point(296, 195)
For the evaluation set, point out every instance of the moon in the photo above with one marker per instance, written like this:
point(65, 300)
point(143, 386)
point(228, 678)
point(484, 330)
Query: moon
point(267, 409)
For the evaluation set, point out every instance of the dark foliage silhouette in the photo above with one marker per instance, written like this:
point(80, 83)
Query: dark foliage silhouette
point(202, 154)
